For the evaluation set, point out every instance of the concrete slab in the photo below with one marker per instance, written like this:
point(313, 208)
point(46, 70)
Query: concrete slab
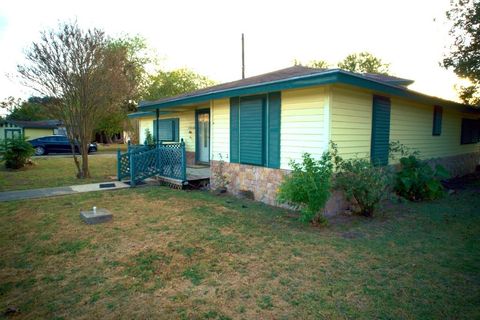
point(59, 191)
point(100, 215)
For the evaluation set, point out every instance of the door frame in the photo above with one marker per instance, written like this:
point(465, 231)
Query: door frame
point(197, 144)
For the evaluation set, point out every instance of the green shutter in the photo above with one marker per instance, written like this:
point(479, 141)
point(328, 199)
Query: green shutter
point(252, 131)
point(380, 130)
point(274, 115)
point(234, 129)
point(437, 120)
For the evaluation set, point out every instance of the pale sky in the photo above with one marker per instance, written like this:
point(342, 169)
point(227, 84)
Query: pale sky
point(205, 35)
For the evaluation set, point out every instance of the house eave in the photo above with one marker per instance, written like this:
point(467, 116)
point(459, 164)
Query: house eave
point(335, 76)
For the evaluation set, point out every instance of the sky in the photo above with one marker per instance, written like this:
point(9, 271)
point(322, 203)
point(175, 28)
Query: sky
point(205, 36)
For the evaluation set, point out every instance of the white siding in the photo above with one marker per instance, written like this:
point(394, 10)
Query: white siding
point(302, 124)
point(220, 130)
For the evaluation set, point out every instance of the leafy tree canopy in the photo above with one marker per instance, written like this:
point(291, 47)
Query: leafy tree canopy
point(364, 62)
point(33, 109)
point(170, 83)
point(85, 73)
point(464, 56)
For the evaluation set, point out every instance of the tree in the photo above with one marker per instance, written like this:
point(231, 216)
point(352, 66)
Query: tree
point(319, 64)
point(86, 76)
point(364, 62)
point(464, 56)
point(34, 109)
point(137, 57)
point(170, 83)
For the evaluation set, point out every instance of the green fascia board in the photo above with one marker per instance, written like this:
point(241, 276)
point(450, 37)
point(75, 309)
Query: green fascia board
point(143, 114)
point(336, 76)
point(291, 83)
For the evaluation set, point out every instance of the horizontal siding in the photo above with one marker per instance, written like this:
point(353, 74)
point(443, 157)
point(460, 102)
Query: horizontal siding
point(31, 133)
point(351, 122)
point(186, 130)
point(412, 125)
point(302, 126)
point(220, 131)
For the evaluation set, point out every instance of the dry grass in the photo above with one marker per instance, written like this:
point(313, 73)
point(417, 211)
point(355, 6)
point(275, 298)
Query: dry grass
point(192, 255)
point(56, 171)
point(111, 148)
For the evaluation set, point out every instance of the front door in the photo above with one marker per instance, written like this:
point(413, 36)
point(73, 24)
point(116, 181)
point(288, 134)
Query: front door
point(203, 136)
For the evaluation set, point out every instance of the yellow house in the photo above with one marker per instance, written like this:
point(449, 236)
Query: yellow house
point(29, 129)
point(257, 125)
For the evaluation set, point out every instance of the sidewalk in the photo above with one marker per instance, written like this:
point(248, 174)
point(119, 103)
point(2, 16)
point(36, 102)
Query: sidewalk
point(60, 191)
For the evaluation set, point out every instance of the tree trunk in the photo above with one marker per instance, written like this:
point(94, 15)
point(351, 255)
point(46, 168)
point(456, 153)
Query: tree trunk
point(85, 169)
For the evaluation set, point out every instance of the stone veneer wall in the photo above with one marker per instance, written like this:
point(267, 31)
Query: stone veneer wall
point(264, 182)
point(459, 165)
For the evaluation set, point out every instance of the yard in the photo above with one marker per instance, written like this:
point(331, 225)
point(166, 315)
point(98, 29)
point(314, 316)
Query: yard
point(172, 254)
point(56, 171)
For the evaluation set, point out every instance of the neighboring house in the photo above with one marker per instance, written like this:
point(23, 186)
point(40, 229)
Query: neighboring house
point(259, 124)
point(30, 129)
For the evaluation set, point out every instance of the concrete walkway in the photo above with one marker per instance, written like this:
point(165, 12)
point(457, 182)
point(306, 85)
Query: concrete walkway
point(59, 191)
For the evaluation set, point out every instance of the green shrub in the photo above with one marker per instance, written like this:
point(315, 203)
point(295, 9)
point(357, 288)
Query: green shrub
point(364, 183)
point(367, 185)
point(17, 153)
point(417, 180)
point(308, 187)
point(148, 138)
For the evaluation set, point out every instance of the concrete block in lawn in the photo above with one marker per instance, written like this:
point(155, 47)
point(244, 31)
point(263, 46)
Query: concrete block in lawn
point(97, 215)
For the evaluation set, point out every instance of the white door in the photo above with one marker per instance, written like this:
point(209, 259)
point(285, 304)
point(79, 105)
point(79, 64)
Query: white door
point(203, 136)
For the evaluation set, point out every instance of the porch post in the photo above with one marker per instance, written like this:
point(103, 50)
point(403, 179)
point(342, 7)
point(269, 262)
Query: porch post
point(157, 128)
point(119, 164)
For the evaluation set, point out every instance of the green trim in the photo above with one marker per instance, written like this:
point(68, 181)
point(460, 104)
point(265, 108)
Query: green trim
point(437, 120)
point(197, 145)
point(235, 129)
point(141, 114)
point(324, 78)
point(274, 128)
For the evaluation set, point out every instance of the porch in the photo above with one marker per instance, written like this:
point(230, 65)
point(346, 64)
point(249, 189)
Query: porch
point(166, 162)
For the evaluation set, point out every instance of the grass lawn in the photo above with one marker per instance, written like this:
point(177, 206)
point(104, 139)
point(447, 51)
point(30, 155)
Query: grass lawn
point(56, 171)
point(111, 148)
point(194, 255)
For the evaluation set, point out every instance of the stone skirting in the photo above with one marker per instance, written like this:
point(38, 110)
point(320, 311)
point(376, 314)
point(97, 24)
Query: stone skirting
point(263, 182)
point(459, 165)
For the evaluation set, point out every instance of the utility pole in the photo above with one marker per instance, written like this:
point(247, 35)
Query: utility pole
point(243, 57)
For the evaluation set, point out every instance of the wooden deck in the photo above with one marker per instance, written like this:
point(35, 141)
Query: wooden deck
point(197, 176)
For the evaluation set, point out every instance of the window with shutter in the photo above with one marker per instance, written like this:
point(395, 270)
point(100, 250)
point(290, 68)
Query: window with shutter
point(437, 120)
point(380, 130)
point(255, 130)
point(168, 130)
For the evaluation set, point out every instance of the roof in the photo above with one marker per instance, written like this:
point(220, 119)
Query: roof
point(42, 124)
point(300, 77)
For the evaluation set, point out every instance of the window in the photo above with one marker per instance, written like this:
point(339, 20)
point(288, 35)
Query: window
point(13, 133)
point(470, 131)
point(437, 120)
point(168, 130)
point(255, 130)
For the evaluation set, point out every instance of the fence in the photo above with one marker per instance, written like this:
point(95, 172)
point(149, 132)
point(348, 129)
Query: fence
point(141, 162)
